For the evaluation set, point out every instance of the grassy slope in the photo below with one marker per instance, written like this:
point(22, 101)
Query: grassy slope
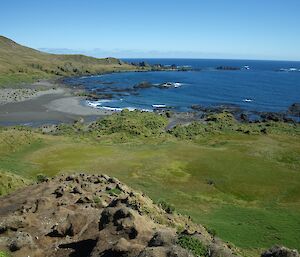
point(246, 187)
point(10, 182)
point(22, 64)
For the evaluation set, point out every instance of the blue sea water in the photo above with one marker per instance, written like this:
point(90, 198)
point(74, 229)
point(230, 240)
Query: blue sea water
point(268, 88)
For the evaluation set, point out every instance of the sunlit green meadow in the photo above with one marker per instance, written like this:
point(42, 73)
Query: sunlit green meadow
point(245, 187)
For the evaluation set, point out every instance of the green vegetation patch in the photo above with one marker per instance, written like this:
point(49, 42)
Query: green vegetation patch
point(194, 245)
point(14, 145)
point(119, 127)
point(131, 123)
point(10, 182)
point(224, 124)
point(4, 254)
point(114, 191)
point(253, 227)
point(169, 208)
point(15, 79)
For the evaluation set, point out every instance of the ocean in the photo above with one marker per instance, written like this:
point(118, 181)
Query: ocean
point(258, 86)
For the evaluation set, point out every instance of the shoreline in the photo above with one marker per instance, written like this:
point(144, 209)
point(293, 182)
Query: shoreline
point(44, 102)
point(53, 102)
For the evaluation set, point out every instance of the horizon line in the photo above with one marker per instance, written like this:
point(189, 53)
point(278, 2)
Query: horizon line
point(170, 58)
point(203, 58)
point(114, 54)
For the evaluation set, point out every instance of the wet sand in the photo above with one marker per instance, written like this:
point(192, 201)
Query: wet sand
point(48, 107)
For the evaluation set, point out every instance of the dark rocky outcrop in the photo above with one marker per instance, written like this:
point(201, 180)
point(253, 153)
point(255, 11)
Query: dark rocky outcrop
point(227, 68)
point(231, 108)
point(272, 116)
point(142, 85)
point(294, 109)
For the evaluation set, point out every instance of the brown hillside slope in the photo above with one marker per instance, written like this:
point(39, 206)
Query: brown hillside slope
point(95, 215)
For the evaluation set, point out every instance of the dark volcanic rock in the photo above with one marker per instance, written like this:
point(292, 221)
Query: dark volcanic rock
point(59, 192)
point(244, 117)
point(227, 68)
point(294, 109)
point(198, 107)
point(76, 190)
point(144, 84)
point(272, 116)
point(231, 108)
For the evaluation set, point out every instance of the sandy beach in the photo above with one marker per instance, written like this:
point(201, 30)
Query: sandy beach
point(43, 103)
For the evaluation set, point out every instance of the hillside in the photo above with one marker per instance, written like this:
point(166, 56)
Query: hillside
point(218, 172)
point(19, 63)
point(97, 215)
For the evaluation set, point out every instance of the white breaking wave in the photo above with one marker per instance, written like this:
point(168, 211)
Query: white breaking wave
point(290, 69)
point(105, 101)
point(92, 104)
point(117, 109)
point(159, 106)
point(114, 109)
point(247, 100)
point(91, 76)
point(171, 84)
point(98, 105)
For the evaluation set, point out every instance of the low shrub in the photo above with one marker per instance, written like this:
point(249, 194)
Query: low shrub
point(211, 231)
point(194, 245)
point(41, 178)
point(168, 208)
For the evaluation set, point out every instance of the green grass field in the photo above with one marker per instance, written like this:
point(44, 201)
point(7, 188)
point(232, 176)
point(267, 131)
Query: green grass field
point(244, 187)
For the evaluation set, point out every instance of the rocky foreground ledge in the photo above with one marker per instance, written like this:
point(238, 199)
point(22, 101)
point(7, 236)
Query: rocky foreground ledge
point(96, 215)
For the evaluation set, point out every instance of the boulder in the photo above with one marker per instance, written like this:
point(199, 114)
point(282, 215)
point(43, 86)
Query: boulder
point(20, 240)
point(59, 192)
point(280, 251)
point(76, 190)
point(163, 238)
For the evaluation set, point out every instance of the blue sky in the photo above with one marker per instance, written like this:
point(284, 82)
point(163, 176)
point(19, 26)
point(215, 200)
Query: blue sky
point(253, 29)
